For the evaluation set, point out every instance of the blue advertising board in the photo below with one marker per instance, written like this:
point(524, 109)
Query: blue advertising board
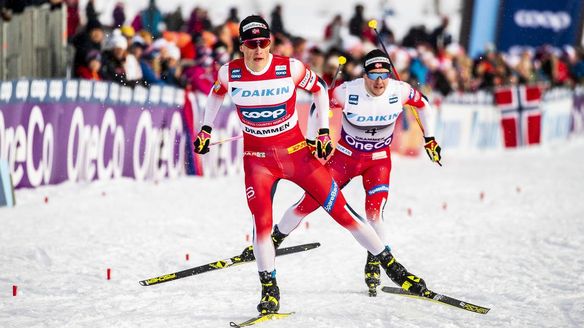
point(539, 22)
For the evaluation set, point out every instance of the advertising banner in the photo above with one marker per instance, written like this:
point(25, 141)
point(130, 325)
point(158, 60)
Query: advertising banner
point(535, 23)
point(56, 131)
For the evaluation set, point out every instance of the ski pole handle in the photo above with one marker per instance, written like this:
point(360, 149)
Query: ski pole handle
point(342, 61)
point(226, 140)
point(373, 24)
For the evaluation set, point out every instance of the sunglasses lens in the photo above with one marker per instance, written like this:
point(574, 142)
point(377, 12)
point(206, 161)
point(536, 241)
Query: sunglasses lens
point(252, 44)
point(375, 76)
point(264, 43)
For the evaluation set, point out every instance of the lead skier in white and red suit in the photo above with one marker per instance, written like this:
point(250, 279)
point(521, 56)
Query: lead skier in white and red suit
point(371, 106)
point(263, 88)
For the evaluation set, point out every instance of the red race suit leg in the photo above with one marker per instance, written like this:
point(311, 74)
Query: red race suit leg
point(316, 180)
point(261, 176)
point(342, 168)
point(376, 183)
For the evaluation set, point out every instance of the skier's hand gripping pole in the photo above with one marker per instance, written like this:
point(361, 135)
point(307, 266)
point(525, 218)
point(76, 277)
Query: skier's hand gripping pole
point(201, 143)
point(322, 146)
point(432, 149)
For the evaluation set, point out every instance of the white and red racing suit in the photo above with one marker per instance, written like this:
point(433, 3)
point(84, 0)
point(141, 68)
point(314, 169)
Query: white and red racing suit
point(275, 148)
point(363, 149)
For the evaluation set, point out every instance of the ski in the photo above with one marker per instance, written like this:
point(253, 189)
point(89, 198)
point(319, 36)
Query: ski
point(439, 298)
point(222, 264)
point(261, 318)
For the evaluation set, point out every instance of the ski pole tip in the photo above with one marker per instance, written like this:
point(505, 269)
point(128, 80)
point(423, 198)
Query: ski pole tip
point(342, 60)
point(373, 24)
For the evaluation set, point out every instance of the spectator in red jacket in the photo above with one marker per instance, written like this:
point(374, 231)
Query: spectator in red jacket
point(92, 67)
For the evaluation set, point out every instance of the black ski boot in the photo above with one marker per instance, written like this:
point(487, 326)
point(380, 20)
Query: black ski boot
point(270, 302)
point(247, 254)
point(277, 239)
point(399, 275)
point(372, 274)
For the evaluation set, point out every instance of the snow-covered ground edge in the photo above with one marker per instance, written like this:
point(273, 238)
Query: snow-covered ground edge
point(518, 250)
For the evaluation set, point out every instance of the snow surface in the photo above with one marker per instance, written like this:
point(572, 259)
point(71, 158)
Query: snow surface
point(519, 252)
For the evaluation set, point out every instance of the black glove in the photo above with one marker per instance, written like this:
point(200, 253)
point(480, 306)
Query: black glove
point(432, 149)
point(324, 144)
point(203, 138)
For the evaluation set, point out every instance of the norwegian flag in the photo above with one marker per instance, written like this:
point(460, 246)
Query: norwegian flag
point(520, 114)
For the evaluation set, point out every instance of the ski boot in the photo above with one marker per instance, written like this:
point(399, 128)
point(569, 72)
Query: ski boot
point(270, 301)
point(277, 239)
point(246, 255)
point(372, 274)
point(399, 275)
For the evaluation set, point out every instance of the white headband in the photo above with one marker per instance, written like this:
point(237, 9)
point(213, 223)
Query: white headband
point(376, 60)
point(252, 25)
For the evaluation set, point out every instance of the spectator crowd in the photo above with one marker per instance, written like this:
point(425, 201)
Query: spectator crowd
point(164, 48)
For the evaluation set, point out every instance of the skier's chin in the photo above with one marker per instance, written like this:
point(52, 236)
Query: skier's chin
point(378, 90)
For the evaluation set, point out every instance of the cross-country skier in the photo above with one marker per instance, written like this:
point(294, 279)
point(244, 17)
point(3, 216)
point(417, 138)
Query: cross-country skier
point(263, 88)
point(371, 106)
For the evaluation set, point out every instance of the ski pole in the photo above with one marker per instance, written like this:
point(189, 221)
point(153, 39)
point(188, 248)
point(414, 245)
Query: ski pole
point(373, 24)
point(226, 140)
point(342, 61)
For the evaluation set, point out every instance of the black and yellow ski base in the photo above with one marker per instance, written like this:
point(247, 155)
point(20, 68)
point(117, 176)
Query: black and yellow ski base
point(439, 298)
point(261, 318)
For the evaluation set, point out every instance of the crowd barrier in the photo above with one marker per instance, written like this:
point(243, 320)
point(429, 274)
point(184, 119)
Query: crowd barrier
point(53, 131)
point(511, 117)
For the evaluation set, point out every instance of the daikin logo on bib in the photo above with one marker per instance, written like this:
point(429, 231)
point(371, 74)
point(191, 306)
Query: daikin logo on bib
point(372, 118)
point(247, 93)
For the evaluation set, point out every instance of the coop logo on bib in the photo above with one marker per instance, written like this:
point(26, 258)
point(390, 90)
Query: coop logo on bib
point(281, 70)
point(264, 114)
point(236, 74)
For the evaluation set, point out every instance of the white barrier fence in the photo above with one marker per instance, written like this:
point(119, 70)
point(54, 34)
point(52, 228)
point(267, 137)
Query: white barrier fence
point(473, 121)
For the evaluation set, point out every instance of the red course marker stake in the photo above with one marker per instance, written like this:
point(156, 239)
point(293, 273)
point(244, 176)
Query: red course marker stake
point(46, 199)
point(109, 274)
point(409, 211)
point(14, 290)
point(482, 195)
point(307, 225)
point(444, 206)
point(187, 256)
point(246, 237)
